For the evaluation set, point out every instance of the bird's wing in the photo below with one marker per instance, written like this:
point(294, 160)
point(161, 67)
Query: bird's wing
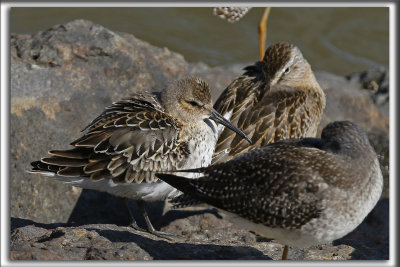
point(242, 93)
point(281, 113)
point(281, 188)
point(128, 142)
point(227, 101)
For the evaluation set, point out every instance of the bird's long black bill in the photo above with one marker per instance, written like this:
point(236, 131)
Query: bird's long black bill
point(220, 119)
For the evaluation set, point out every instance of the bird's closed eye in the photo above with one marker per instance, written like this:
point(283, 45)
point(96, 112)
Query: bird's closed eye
point(193, 103)
point(287, 70)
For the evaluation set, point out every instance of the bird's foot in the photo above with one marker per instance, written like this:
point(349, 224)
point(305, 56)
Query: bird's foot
point(165, 235)
point(152, 231)
point(137, 227)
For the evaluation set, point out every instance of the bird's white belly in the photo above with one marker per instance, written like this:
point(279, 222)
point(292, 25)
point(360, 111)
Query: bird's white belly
point(295, 238)
point(300, 238)
point(201, 148)
point(147, 191)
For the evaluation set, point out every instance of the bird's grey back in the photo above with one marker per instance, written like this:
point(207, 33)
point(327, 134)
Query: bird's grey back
point(281, 185)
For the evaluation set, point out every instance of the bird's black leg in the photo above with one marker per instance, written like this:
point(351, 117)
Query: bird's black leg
point(132, 223)
point(150, 227)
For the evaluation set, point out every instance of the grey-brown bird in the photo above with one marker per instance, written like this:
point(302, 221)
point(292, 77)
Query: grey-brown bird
point(300, 192)
point(275, 99)
point(132, 139)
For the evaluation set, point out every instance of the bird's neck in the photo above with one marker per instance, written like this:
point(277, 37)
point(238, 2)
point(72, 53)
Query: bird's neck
point(309, 83)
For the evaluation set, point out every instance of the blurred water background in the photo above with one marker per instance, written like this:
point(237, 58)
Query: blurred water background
point(341, 40)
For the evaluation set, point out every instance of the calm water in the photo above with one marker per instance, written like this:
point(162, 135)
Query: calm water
point(339, 40)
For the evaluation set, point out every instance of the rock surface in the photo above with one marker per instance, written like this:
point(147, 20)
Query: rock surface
point(63, 77)
point(201, 235)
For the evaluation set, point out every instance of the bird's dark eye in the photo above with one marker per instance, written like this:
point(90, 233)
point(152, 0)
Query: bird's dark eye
point(193, 103)
point(287, 70)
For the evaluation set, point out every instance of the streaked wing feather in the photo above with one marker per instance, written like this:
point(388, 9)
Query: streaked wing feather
point(274, 117)
point(234, 187)
point(130, 141)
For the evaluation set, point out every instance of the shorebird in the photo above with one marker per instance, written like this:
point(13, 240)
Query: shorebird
point(234, 14)
point(300, 192)
point(276, 98)
point(132, 139)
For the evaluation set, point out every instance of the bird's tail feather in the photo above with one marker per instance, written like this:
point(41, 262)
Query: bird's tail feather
point(44, 168)
point(192, 188)
point(184, 185)
point(181, 183)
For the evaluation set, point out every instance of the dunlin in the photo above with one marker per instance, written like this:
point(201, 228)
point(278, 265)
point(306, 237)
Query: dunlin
point(276, 98)
point(132, 139)
point(300, 192)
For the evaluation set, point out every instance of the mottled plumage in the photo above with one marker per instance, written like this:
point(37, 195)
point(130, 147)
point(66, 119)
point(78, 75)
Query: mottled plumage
point(132, 139)
point(275, 99)
point(231, 14)
point(300, 192)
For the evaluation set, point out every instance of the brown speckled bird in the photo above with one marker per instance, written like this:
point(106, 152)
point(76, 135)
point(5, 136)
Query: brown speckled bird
point(299, 192)
point(132, 139)
point(276, 98)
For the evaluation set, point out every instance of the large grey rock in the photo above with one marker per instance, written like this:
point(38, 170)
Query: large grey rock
point(376, 81)
point(63, 77)
point(201, 236)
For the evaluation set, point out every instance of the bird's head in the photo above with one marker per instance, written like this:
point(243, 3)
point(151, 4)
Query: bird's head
point(284, 64)
point(189, 100)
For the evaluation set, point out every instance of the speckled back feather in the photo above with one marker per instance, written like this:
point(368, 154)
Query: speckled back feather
point(259, 188)
point(268, 106)
point(231, 14)
point(115, 146)
point(285, 184)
